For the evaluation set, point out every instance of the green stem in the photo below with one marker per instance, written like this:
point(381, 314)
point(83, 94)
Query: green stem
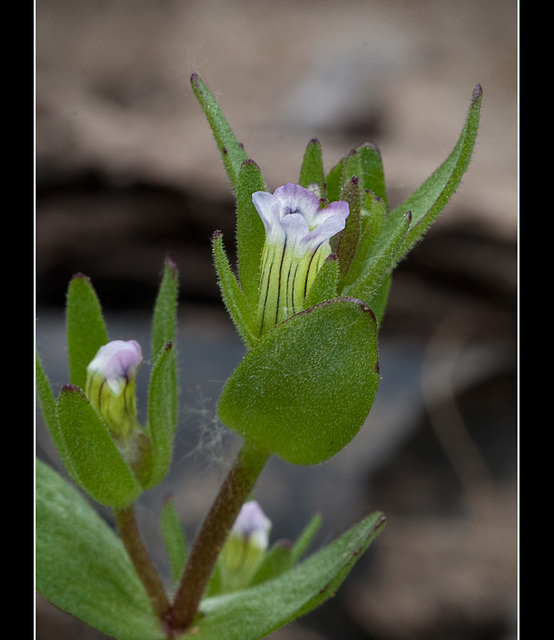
point(218, 523)
point(128, 530)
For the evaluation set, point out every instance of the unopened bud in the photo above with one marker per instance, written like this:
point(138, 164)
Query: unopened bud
point(110, 385)
point(245, 547)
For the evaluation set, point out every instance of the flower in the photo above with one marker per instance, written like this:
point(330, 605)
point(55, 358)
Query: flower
point(298, 228)
point(252, 525)
point(245, 547)
point(110, 385)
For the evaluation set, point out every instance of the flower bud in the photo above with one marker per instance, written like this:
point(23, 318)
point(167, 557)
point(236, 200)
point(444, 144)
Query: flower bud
point(298, 228)
point(110, 385)
point(245, 548)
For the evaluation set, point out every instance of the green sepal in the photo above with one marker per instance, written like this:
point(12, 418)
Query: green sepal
point(311, 171)
point(174, 538)
point(162, 412)
point(345, 244)
point(250, 230)
point(305, 389)
point(164, 319)
point(214, 587)
point(277, 560)
point(163, 404)
point(305, 538)
point(352, 168)
point(382, 262)
point(333, 182)
point(371, 224)
point(232, 152)
point(258, 611)
point(428, 201)
point(82, 567)
point(324, 287)
point(93, 459)
point(85, 327)
point(232, 294)
point(372, 176)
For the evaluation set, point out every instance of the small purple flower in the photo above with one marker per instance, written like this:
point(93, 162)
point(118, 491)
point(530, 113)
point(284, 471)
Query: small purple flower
point(298, 228)
point(110, 385)
point(245, 548)
point(118, 362)
point(252, 525)
point(294, 215)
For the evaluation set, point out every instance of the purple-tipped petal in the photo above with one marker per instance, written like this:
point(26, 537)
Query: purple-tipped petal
point(252, 523)
point(118, 361)
point(296, 199)
point(293, 213)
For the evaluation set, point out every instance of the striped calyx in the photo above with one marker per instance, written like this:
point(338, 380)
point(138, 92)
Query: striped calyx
point(298, 228)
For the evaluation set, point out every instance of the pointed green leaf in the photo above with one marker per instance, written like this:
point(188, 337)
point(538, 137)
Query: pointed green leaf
point(231, 151)
point(333, 182)
point(95, 462)
point(371, 224)
point(165, 310)
point(162, 412)
point(427, 202)
point(250, 230)
point(82, 567)
point(305, 538)
point(277, 560)
point(382, 262)
point(311, 171)
point(163, 415)
point(233, 296)
point(372, 176)
point(47, 403)
point(346, 243)
point(305, 389)
point(352, 167)
point(86, 329)
point(256, 612)
point(174, 538)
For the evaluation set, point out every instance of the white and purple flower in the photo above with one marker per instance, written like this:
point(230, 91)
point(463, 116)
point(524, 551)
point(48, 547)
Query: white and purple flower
point(245, 547)
point(298, 229)
point(252, 525)
point(110, 385)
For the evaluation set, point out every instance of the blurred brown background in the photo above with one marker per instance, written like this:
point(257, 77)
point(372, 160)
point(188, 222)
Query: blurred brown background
point(127, 173)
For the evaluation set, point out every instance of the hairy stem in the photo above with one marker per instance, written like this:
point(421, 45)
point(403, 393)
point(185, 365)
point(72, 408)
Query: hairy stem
point(128, 530)
point(218, 523)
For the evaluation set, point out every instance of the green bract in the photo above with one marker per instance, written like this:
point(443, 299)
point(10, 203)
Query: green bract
point(307, 382)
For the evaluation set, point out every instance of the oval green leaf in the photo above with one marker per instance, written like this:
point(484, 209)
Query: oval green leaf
point(95, 462)
point(306, 388)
